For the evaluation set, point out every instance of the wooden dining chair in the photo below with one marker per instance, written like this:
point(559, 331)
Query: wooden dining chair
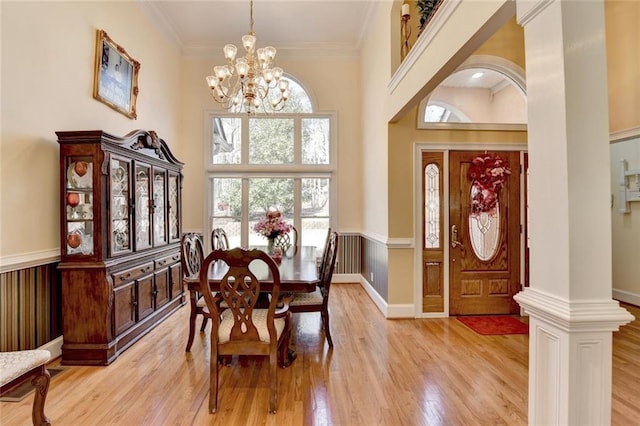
point(219, 240)
point(191, 257)
point(242, 328)
point(285, 241)
point(318, 301)
point(325, 254)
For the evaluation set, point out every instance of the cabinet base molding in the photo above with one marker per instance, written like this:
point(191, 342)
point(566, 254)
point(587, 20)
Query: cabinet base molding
point(105, 354)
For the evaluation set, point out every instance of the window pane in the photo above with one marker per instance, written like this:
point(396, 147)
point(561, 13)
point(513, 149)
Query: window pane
point(298, 99)
point(271, 140)
point(432, 206)
point(315, 141)
point(231, 227)
point(226, 140)
point(227, 197)
point(314, 233)
point(315, 197)
point(265, 193)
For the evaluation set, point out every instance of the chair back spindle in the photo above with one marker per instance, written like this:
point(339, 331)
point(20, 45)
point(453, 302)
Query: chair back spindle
point(219, 240)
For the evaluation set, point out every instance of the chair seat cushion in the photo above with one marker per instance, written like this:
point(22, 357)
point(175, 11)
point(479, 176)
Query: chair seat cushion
point(201, 303)
point(15, 364)
point(259, 318)
point(314, 298)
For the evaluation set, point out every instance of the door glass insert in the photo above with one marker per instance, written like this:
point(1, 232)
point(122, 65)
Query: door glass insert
point(119, 199)
point(432, 206)
point(142, 211)
point(79, 205)
point(174, 228)
point(159, 221)
point(484, 228)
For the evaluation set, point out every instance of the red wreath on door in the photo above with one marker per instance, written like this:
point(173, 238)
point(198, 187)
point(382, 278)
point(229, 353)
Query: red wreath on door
point(488, 175)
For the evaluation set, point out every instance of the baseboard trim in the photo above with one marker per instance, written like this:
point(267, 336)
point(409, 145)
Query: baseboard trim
point(389, 311)
point(626, 297)
point(346, 278)
point(380, 303)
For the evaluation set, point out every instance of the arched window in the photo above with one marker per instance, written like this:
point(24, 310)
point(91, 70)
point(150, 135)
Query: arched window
point(285, 160)
point(485, 92)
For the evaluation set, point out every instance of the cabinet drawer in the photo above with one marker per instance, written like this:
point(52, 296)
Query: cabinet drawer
point(132, 274)
point(167, 260)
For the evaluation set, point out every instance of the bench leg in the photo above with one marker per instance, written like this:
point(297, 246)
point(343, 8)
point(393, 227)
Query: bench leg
point(41, 383)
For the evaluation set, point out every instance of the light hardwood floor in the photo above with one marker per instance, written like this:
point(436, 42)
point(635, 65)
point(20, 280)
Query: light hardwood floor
point(382, 372)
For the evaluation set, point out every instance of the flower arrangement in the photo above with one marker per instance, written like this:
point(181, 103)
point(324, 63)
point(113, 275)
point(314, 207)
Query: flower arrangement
point(272, 225)
point(488, 175)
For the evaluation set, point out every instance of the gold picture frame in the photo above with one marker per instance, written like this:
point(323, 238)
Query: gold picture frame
point(116, 76)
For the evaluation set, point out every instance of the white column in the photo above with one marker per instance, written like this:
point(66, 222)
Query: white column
point(572, 314)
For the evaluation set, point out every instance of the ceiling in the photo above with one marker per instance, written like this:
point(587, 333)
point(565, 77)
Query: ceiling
point(200, 28)
point(293, 27)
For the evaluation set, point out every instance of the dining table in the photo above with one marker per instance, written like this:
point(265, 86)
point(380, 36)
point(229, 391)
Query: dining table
point(298, 269)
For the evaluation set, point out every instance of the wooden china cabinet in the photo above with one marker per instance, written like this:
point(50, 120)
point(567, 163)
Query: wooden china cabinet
point(120, 227)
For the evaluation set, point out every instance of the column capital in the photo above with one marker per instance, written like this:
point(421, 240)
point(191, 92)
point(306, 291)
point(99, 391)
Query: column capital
point(574, 315)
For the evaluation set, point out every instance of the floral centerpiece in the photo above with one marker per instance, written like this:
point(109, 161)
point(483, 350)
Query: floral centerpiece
point(272, 225)
point(488, 175)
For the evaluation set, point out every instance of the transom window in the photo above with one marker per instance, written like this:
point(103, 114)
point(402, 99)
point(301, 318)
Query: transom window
point(284, 160)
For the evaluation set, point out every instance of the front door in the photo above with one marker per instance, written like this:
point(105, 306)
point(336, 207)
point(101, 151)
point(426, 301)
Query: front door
point(484, 234)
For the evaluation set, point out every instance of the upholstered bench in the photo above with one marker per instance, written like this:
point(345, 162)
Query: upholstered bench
point(16, 367)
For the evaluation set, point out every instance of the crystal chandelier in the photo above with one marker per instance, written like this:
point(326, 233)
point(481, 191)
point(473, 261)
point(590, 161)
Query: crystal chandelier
point(250, 83)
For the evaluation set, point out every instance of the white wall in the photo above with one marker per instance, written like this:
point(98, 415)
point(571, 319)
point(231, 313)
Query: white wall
point(332, 83)
point(48, 53)
point(625, 227)
point(373, 79)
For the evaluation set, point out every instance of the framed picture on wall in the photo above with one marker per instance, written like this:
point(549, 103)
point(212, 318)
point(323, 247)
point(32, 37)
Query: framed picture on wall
point(116, 76)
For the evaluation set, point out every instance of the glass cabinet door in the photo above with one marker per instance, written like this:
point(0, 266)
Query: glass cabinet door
point(143, 206)
point(119, 196)
point(174, 213)
point(159, 207)
point(78, 199)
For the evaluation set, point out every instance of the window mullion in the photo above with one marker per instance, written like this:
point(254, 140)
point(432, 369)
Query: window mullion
point(297, 205)
point(244, 230)
point(244, 152)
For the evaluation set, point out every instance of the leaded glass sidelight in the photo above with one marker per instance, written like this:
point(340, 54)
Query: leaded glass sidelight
point(432, 206)
point(484, 229)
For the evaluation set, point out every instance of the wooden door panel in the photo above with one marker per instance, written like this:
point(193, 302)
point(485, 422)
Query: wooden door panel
point(146, 297)
point(483, 281)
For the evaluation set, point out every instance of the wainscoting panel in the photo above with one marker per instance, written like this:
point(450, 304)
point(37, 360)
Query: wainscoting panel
point(349, 254)
point(375, 262)
point(30, 307)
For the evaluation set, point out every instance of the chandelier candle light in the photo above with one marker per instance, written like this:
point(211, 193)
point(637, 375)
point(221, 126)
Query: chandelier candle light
point(250, 83)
